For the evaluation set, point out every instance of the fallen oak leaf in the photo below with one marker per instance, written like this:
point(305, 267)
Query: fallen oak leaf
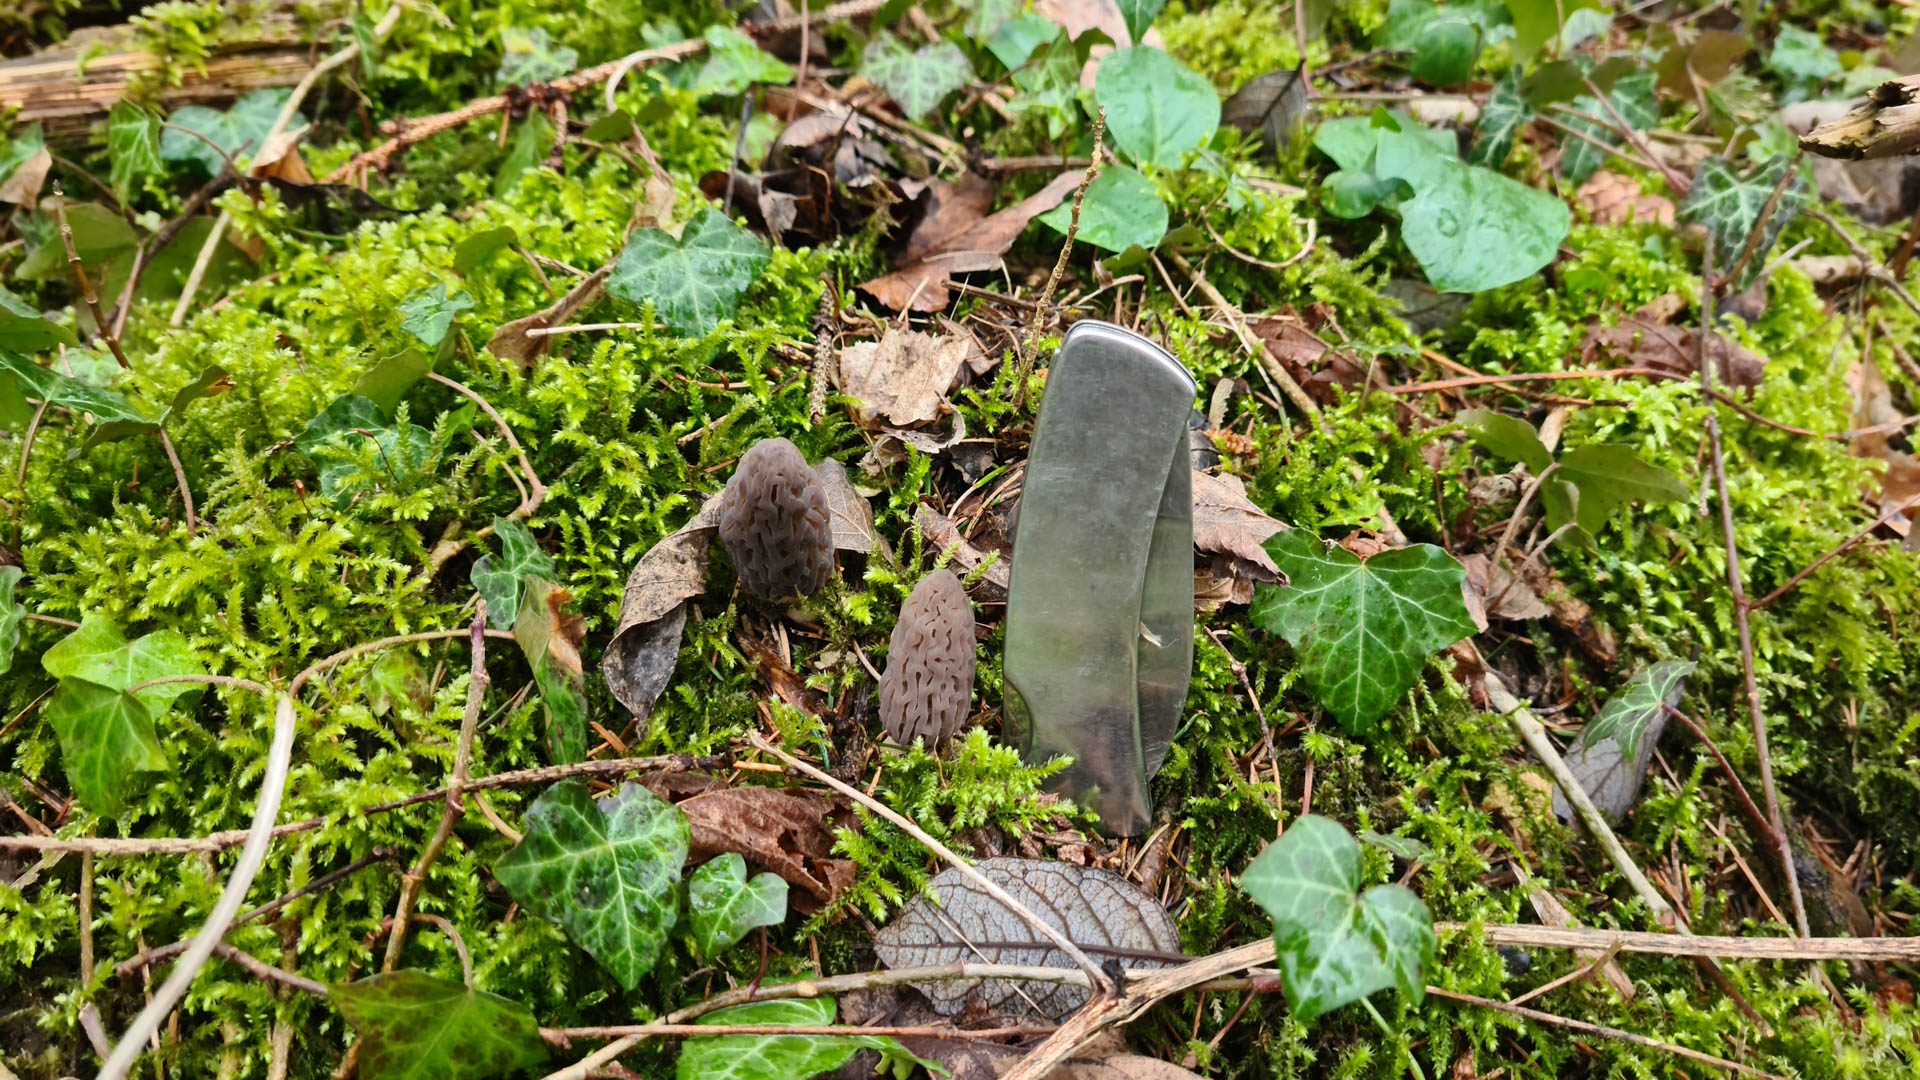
point(902, 379)
point(919, 283)
point(1231, 529)
point(1646, 339)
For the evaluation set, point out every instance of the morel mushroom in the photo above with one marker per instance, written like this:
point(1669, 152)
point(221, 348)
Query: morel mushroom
point(773, 521)
point(929, 681)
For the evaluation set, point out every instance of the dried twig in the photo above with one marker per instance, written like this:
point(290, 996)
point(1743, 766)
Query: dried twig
point(537, 491)
point(1602, 1030)
point(1844, 546)
point(1248, 340)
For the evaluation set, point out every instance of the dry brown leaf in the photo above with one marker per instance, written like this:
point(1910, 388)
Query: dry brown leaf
point(1612, 199)
point(545, 627)
point(280, 158)
point(512, 341)
point(1517, 601)
point(639, 660)
point(1317, 366)
point(1095, 908)
point(1873, 406)
point(1228, 531)
point(919, 281)
point(902, 379)
point(1120, 1067)
point(849, 515)
point(944, 535)
point(23, 186)
point(786, 832)
point(1646, 339)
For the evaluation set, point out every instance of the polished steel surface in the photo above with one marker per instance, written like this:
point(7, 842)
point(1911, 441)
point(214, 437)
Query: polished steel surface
point(1099, 631)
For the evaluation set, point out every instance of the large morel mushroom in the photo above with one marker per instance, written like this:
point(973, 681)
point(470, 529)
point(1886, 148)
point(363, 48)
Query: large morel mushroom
point(928, 686)
point(773, 521)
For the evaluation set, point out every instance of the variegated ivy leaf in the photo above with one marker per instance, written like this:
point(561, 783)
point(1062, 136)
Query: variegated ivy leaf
point(918, 80)
point(1334, 944)
point(106, 736)
point(605, 870)
point(1632, 98)
point(98, 652)
point(1629, 713)
point(236, 132)
point(133, 145)
point(1501, 119)
point(497, 577)
point(1362, 629)
point(784, 1057)
point(12, 614)
point(1731, 207)
point(725, 905)
point(413, 1026)
point(694, 282)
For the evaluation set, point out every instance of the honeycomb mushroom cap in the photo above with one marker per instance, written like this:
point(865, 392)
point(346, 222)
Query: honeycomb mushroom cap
point(928, 688)
point(774, 523)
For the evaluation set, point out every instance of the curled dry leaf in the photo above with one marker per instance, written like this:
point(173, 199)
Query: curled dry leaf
point(786, 832)
point(774, 523)
point(1646, 339)
point(1873, 406)
point(954, 238)
point(1096, 909)
point(1512, 600)
point(1612, 199)
point(944, 536)
point(1272, 106)
point(903, 378)
point(928, 687)
point(1317, 366)
point(1228, 531)
point(849, 515)
point(512, 340)
point(653, 612)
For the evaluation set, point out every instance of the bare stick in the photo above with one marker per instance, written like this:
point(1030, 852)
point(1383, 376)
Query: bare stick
point(1513, 527)
point(266, 972)
point(1742, 624)
point(180, 478)
point(1601, 1030)
point(1574, 976)
point(1073, 231)
point(1761, 826)
point(459, 945)
point(1103, 985)
point(1844, 547)
point(1266, 729)
point(207, 680)
point(1248, 340)
point(272, 786)
point(320, 666)
point(477, 682)
point(190, 845)
point(561, 1036)
point(102, 327)
point(1680, 184)
point(537, 490)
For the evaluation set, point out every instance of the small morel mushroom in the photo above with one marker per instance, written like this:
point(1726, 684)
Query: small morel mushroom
point(773, 521)
point(929, 681)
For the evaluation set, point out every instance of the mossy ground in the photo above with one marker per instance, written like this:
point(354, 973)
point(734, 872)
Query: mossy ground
point(631, 430)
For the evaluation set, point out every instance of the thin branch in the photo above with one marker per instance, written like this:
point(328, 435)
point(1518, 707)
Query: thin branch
point(1759, 821)
point(205, 680)
point(1045, 303)
point(272, 786)
point(477, 682)
point(102, 327)
point(1742, 623)
point(1680, 184)
point(1578, 974)
point(1842, 549)
point(561, 1036)
point(1601, 1030)
point(445, 926)
point(1513, 527)
point(537, 491)
point(1526, 376)
point(321, 666)
point(266, 972)
point(190, 845)
point(1248, 340)
point(179, 478)
point(1103, 984)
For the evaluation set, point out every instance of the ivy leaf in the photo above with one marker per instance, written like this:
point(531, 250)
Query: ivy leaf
point(1019, 37)
point(725, 905)
point(1501, 119)
point(784, 1057)
point(1536, 22)
point(1471, 228)
point(1627, 714)
point(238, 131)
point(1801, 57)
point(413, 1026)
point(693, 283)
point(133, 143)
point(99, 653)
point(1731, 209)
point(1157, 109)
point(1121, 210)
point(106, 736)
point(918, 80)
point(1507, 437)
point(12, 614)
point(105, 407)
point(498, 580)
point(1632, 98)
point(1334, 944)
point(24, 328)
point(431, 311)
point(530, 56)
point(604, 870)
point(550, 638)
point(1606, 477)
point(733, 63)
point(1139, 15)
point(1362, 629)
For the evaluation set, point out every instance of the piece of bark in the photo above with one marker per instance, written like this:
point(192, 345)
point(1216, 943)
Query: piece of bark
point(55, 89)
point(1887, 125)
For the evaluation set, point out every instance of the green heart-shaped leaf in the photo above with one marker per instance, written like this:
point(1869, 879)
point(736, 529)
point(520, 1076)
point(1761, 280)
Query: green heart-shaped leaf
point(1334, 944)
point(725, 905)
point(99, 653)
point(605, 870)
point(1157, 109)
point(695, 282)
point(106, 736)
point(498, 578)
point(416, 1027)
